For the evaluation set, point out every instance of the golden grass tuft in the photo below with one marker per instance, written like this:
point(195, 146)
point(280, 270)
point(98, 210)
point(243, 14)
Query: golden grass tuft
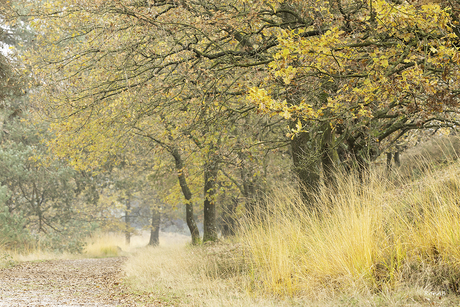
point(364, 238)
point(112, 244)
point(104, 245)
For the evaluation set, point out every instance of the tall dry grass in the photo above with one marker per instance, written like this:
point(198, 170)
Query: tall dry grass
point(112, 244)
point(384, 241)
point(365, 237)
point(438, 151)
point(211, 275)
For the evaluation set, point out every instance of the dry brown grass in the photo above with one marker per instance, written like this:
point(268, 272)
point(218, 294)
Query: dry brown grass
point(212, 275)
point(113, 244)
point(369, 238)
point(438, 151)
point(98, 245)
point(373, 244)
point(378, 243)
point(10, 257)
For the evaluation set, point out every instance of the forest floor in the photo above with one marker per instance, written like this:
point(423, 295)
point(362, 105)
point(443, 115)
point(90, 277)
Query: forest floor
point(78, 282)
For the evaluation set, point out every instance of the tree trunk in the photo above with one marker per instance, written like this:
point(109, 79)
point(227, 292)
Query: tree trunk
point(194, 231)
point(397, 159)
point(127, 223)
point(389, 156)
point(362, 154)
point(248, 179)
point(306, 165)
point(228, 218)
point(327, 156)
point(210, 225)
point(248, 190)
point(155, 230)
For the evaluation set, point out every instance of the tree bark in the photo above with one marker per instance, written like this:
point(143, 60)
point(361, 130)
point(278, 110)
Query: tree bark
point(249, 194)
point(155, 230)
point(389, 156)
point(327, 157)
point(362, 153)
point(228, 218)
point(210, 225)
point(128, 222)
point(306, 163)
point(249, 181)
point(397, 159)
point(194, 231)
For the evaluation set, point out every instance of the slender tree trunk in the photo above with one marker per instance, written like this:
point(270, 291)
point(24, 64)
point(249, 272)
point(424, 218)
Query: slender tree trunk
point(397, 159)
point(228, 217)
point(389, 156)
point(248, 189)
point(248, 181)
point(360, 154)
point(128, 222)
point(306, 165)
point(327, 157)
point(194, 231)
point(155, 230)
point(210, 225)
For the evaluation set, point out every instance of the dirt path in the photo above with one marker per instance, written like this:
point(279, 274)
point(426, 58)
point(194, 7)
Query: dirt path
point(83, 282)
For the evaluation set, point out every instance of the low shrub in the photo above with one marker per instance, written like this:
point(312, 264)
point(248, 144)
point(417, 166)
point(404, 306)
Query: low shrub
point(13, 233)
point(70, 238)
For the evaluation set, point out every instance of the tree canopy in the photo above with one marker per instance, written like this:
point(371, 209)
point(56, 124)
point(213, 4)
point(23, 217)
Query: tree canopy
point(339, 81)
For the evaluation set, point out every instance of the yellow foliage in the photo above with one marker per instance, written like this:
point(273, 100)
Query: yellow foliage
point(372, 69)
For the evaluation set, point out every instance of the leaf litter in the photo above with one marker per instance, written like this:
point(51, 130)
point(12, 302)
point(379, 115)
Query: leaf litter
point(80, 282)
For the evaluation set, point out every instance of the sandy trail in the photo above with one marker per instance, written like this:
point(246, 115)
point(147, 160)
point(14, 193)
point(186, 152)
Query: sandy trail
point(82, 282)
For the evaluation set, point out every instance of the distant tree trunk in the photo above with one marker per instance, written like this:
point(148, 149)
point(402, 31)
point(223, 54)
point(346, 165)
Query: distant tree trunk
point(210, 225)
point(228, 218)
point(128, 222)
point(361, 153)
point(389, 156)
point(328, 153)
point(155, 230)
point(248, 189)
point(194, 231)
point(397, 159)
point(306, 165)
point(249, 181)
point(40, 219)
